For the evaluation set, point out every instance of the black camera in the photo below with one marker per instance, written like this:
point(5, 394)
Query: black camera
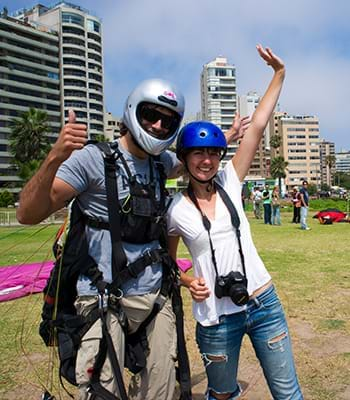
point(233, 285)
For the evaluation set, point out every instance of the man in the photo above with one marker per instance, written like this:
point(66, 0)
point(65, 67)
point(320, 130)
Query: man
point(256, 196)
point(267, 199)
point(304, 198)
point(152, 115)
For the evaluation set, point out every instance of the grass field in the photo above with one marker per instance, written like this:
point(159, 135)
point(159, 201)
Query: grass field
point(311, 270)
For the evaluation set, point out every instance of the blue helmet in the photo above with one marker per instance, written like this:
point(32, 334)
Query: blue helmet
point(200, 134)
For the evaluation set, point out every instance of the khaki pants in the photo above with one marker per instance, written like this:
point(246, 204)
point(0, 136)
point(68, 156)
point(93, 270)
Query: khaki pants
point(157, 380)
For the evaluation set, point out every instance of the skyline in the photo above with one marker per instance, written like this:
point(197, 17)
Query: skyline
point(173, 41)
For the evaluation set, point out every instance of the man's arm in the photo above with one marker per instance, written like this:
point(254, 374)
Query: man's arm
point(44, 193)
point(249, 144)
point(302, 199)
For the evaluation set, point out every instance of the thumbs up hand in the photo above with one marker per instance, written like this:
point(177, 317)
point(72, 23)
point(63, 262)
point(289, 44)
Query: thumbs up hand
point(73, 136)
point(71, 116)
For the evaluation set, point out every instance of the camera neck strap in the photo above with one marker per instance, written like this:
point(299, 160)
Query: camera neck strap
point(207, 225)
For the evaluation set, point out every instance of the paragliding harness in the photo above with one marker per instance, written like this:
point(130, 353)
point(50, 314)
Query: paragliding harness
point(62, 326)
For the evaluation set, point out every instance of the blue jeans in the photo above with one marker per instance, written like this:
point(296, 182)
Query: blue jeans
point(303, 216)
point(265, 323)
point(276, 215)
point(267, 213)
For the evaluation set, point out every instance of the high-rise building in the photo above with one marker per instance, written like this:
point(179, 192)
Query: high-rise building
point(80, 66)
point(342, 163)
point(218, 95)
point(246, 107)
point(300, 146)
point(29, 77)
point(327, 160)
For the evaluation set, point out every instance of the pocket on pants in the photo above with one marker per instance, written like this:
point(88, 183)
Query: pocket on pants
point(87, 352)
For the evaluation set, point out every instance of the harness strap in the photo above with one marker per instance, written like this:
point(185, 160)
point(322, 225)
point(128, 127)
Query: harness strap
point(133, 269)
point(119, 259)
point(106, 347)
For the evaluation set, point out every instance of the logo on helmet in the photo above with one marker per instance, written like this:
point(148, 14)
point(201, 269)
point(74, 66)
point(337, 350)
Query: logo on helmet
point(169, 94)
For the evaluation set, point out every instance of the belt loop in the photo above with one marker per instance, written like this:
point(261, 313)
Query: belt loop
point(256, 302)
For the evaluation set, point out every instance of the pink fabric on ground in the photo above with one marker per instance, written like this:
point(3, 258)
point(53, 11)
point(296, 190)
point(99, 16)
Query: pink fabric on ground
point(20, 280)
point(184, 264)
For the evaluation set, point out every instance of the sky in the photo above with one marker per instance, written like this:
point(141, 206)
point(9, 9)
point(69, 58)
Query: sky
point(174, 39)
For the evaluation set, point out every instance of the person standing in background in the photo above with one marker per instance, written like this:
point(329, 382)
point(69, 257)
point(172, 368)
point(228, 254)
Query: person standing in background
point(266, 196)
point(276, 206)
point(304, 197)
point(256, 197)
point(296, 205)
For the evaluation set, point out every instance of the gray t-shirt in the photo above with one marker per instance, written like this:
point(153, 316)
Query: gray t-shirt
point(84, 171)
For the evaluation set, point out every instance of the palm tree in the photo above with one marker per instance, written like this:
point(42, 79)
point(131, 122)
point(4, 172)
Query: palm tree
point(330, 163)
point(28, 140)
point(275, 141)
point(278, 170)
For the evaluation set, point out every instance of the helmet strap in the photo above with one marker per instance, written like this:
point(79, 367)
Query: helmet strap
point(209, 181)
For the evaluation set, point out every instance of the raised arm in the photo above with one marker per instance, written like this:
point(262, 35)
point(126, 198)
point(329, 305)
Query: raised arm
point(44, 193)
point(249, 144)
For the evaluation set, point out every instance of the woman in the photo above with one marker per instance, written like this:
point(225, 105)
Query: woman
point(276, 206)
point(296, 205)
point(231, 288)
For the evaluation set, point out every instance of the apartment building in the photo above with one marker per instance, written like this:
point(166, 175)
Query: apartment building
point(327, 161)
point(218, 96)
point(300, 146)
point(342, 163)
point(29, 77)
point(80, 59)
point(246, 106)
point(112, 128)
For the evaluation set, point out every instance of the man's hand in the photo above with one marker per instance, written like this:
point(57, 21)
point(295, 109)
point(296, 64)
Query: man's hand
point(238, 128)
point(199, 290)
point(72, 137)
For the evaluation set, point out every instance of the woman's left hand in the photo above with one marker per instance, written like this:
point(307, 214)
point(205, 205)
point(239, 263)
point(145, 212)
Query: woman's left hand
point(271, 59)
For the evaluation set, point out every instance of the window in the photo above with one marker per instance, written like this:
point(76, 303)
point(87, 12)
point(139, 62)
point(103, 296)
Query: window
point(72, 18)
point(93, 26)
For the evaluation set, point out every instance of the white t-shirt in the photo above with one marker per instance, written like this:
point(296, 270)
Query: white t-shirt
point(185, 220)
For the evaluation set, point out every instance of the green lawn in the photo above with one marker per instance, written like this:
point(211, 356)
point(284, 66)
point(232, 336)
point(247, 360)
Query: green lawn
point(311, 270)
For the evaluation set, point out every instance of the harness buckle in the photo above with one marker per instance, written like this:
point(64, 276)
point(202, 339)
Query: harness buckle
point(154, 256)
point(103, 301)
point(158, 219)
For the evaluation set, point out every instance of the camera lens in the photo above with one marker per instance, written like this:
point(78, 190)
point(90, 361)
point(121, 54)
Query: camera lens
point(239, 295)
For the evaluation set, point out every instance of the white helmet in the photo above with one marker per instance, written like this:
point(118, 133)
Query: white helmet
point(161, 93)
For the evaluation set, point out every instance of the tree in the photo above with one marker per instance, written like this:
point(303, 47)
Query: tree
point(330, 163)
point(100, 138)
point(275, 141)
point(28, 140)
point(278, 170)
point(6, 198)
point(29, 144)
point(312, 189)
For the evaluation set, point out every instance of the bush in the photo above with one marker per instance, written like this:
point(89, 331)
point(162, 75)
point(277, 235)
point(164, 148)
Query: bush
point(322, 204)
point(6, 198)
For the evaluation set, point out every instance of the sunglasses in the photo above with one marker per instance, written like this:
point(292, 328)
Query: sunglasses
point(152, 115)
